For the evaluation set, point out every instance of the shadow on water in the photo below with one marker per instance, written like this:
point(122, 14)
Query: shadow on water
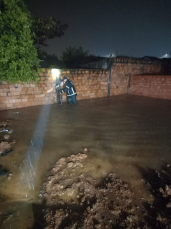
point(75, 216)
point(40, 211)
point(158, 213)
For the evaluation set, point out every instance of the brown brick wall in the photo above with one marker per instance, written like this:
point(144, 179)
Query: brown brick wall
point(121, 71)
point(28, 94)
point(157, 86)
point(88, 83)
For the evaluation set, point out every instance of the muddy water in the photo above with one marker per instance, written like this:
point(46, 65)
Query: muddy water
point(122, 134)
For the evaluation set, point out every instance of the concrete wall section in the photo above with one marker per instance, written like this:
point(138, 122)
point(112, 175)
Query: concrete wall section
point(157, 86)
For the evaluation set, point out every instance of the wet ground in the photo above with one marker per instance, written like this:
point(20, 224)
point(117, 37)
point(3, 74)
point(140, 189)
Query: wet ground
point(122, 134)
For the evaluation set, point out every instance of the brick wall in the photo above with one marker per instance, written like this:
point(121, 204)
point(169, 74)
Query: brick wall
point(28, 94)
point(157, 86)
point(88, 83)
point(121, 71)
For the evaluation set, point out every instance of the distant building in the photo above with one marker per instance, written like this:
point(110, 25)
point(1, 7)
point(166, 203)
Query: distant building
point(150, 58)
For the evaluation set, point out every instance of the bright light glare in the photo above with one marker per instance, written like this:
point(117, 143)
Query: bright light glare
point(55, 73)
point(29, 168)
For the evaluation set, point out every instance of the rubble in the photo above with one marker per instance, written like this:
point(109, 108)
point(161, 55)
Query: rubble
point(80, 201)
point(6, 143)
point(6, 131)
point(6, 136)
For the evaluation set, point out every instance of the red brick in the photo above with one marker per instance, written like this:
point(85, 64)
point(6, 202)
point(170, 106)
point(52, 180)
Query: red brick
point(9, 105)
point(30, 99)
point(18, 100)
point(32, 85)
point(31, 96)
point(41, 74)
point(20, 86)
point(48, 71)
point(22, 92)
point(4, 101)
point(11, 101)
point(3, 94)
point(24, 100)
point(16, 105)
point(16, 93)
point(18, 89)
point(6, 90)
point(11, 85)
point(24, 89)
point(12, 89)
point(30, 89)
point(2, 106)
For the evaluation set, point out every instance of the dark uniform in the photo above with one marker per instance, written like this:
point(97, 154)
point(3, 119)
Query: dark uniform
point(71, 92)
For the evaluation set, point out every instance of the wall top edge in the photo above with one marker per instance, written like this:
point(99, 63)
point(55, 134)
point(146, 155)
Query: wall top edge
point(77, 70)
point(154, 75)
point(140, 60)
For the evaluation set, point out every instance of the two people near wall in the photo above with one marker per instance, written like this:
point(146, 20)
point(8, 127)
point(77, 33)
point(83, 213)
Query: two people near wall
point(69, 88)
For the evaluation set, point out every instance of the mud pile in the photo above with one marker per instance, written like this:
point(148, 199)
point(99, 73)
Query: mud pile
point(6, 140)
point(74, 199)
point(158, 213)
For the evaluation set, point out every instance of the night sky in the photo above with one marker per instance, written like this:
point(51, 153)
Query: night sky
point(127, 27)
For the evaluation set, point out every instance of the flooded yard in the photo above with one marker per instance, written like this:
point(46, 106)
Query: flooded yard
point(122, 134)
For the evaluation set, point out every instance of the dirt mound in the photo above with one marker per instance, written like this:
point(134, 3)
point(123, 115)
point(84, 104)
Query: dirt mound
point(76, 200)
point(5, 131)
point(158, 213)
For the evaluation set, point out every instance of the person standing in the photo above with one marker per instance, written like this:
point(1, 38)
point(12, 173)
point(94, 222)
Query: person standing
point(70, 90)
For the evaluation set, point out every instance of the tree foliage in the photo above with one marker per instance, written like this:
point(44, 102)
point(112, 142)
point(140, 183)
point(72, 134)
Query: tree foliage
point(18, 56)
point(74, 54)
point(47, 29)
point(49, 61)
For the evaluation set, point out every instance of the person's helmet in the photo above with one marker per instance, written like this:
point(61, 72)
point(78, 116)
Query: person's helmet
point(64, 78)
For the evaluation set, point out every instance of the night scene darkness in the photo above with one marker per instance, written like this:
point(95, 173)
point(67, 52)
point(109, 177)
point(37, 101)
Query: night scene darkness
point(124, 27)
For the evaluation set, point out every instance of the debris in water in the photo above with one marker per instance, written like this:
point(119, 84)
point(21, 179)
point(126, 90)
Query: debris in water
point(9, 177)
point(10, 131)
point(5, 147)
point(85, 149)
point(6, 136)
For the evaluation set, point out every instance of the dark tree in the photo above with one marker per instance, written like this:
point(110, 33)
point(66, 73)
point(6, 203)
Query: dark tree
point(74, 54)
point(47, 29)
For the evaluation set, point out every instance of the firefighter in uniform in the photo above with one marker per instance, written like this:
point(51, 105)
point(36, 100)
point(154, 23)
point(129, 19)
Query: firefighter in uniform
point(70, 90)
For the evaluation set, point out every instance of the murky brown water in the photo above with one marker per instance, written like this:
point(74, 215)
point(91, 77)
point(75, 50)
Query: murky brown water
point(122, 133)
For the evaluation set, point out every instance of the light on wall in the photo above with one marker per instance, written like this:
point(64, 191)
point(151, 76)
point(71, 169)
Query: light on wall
point(55, 73)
